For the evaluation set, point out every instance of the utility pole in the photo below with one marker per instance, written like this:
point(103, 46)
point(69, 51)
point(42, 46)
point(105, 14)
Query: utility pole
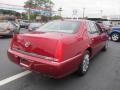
point(101, 12)
point(29, 14)
point(75, 12)
point(29, 10)
point(84, 12)
point(21, 15)
point(50, 14)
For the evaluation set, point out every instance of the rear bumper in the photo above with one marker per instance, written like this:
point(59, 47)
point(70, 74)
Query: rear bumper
point(50, 68)
point(10, 33)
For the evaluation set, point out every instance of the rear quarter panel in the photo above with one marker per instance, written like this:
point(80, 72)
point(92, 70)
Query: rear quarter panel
point(74, 46)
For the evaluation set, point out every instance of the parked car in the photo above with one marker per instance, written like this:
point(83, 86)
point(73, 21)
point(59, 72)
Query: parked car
point(115, 34)
point(105, 26)
point(24, 24)
point(34, 26)
point(102, 26)
point(58, 48)
point(7, 28)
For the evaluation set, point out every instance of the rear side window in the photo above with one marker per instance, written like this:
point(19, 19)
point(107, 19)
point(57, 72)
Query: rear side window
point(99, 28)
point(92, 28)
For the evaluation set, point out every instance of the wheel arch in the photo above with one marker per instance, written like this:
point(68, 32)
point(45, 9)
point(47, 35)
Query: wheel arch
point(114, 32)
point(90, 50)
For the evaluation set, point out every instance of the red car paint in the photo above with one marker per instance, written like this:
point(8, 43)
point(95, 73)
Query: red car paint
point(56, 54)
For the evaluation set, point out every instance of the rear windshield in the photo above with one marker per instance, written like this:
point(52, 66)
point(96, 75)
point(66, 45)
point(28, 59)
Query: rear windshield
point(60, 26)
point(4, 25)
point(35, 24)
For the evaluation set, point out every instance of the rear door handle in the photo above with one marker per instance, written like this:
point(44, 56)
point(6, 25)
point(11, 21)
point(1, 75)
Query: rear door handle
point(93, 39)
point(102, 37)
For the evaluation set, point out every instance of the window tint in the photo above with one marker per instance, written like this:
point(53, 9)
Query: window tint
point(60, 26)
point(35, 24)
point(93, 28)
point(99, 28)
point(88, 27)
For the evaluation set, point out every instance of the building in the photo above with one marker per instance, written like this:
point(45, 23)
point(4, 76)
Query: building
point(115, 20)
point(7, 17)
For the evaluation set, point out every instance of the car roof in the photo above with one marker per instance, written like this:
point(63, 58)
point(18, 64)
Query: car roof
point(35, 23)
point(74, 20)
point(116, 27)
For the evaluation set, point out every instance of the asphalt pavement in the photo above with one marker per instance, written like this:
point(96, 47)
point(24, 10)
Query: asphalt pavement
point(103, 74)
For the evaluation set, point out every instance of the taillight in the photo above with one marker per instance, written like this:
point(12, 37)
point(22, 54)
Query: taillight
point(8, 29)
point(58, 53)
point(50, 58)
point(14, 39)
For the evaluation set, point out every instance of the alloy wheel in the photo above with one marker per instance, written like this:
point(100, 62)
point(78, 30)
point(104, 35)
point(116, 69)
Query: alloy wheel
point(86, 62)
point(115, 37)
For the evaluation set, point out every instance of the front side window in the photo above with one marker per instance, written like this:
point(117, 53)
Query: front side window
point(59, 26)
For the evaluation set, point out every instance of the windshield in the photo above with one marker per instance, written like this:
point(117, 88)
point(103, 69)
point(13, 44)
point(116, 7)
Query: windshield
point(59, 26)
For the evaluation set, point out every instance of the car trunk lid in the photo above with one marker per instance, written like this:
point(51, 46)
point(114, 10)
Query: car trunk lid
point(44, 44)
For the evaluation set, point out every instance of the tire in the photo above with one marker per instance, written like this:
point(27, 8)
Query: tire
point(115, 37)
point(84, 65)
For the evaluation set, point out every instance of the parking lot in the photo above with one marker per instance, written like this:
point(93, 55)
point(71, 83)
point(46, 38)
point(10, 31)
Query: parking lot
point(104, 73)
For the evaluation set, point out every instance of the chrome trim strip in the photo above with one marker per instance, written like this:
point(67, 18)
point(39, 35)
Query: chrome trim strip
point(72, 58)
point(24, 65)
point(32, 54)
point(44, 57)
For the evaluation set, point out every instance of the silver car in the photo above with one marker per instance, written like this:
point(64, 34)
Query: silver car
point(7, 28)
point(34, 26)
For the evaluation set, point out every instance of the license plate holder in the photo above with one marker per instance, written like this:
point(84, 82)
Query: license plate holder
point(25, 63)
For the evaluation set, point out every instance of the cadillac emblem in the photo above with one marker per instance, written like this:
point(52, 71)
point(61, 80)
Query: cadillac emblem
point(27, 44)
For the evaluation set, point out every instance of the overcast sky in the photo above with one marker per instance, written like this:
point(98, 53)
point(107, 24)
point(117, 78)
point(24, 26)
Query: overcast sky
point(93, 7)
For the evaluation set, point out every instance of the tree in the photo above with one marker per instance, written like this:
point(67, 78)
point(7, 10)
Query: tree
point(10, 12)
point(42, 5)
point(56, 17)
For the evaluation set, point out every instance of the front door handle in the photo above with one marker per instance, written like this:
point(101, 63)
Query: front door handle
point(79, 38)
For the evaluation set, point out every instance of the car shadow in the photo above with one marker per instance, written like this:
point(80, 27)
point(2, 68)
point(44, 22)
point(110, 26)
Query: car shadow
point(38, 80)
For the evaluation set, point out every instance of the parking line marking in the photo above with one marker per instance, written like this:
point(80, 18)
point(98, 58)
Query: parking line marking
point(12, 78)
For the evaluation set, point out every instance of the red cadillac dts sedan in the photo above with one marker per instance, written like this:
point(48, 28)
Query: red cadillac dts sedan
point(58, 48)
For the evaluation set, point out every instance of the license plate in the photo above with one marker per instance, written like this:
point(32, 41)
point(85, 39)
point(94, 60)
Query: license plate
point(24, 63)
